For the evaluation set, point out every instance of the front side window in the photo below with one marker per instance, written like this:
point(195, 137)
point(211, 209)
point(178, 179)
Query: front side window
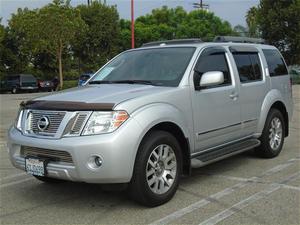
point(212, 59)
point(157, 66)
point(248, 65)
point(275, 63)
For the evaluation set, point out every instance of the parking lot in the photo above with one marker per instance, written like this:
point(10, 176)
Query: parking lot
point(243, 189)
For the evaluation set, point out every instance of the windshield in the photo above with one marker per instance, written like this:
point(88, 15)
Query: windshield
point(157, 66)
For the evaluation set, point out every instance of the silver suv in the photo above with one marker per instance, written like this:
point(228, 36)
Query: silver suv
point(151, 114)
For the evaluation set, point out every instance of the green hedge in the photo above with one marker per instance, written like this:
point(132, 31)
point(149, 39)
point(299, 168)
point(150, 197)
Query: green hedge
point(70, 84)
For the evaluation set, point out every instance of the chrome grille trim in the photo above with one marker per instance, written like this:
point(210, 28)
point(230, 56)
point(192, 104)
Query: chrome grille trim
point(55, 119)
point(52, 155)
point(79, 123)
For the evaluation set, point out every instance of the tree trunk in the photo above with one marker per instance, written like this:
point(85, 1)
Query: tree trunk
point(61, 80)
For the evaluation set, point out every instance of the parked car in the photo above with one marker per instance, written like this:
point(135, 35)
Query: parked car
point(295, 75)
point(83, 78)
point(46, 85)
point(153, 113)
point(19, 83)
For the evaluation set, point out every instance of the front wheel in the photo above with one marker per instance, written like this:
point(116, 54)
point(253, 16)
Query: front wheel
point(157, 169)
point(272, 138)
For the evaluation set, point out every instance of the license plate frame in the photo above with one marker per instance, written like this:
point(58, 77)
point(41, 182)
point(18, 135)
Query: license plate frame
point(36, 166)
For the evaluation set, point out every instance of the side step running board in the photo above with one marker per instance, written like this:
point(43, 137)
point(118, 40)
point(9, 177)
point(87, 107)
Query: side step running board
point(206, 157)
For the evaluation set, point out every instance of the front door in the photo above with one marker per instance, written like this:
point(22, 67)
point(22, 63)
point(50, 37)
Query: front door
point(216, 109)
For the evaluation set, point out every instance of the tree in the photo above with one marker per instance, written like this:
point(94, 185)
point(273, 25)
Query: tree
point(49, 29)
point(279, 24)
point(252, 22)
point(241, 30)
point(166, 23)
point(100, 40)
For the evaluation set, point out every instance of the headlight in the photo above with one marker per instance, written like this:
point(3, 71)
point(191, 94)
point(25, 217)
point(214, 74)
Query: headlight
point(104, 122)
point(18, 122)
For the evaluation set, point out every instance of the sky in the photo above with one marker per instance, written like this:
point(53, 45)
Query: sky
point(234, 11)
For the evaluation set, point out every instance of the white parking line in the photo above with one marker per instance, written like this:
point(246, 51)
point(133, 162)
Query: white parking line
point(197, 205)
point(245, 202)
point(15, 182)
point(259, 181)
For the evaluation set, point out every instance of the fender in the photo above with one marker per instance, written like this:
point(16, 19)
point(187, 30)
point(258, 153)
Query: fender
point(152, 114)
point(272, 97)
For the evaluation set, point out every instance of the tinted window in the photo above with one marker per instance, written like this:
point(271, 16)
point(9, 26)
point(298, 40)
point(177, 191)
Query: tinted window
point(28, 78)
point(275, 63)
point(212, 60)
point(248, 65)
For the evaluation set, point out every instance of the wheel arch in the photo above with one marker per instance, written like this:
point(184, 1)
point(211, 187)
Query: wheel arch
point(177, 132)
point(275, 100)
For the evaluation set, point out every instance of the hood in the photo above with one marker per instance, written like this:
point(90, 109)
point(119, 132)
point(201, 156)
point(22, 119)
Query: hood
point(104, 93)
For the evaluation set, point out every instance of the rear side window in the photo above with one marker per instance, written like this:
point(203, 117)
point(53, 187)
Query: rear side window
point(275, 63)
point(248, 65)
point(212, 59)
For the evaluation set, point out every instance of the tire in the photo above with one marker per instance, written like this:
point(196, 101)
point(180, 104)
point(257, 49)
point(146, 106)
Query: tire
point(271, 146)
point(160, 156)
point(49, 180)
point(14, 90)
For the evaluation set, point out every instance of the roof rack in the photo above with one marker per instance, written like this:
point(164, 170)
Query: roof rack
point(239, 39)
point(173, 42)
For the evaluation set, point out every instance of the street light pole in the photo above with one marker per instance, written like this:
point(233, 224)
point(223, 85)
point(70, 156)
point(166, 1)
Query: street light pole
point(132, 24)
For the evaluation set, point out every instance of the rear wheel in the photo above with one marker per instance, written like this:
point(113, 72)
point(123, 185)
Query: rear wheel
point(272, 138)
point(49, 180)
point(157, 169)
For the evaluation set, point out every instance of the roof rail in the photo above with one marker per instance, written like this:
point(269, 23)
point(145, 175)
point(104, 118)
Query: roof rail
point(173, 42)
point(239, 39)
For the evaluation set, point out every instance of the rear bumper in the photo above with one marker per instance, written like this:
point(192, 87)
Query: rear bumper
point(117, 150)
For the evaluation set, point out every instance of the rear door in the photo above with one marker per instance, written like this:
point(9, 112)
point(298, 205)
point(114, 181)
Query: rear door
point(253, 85)
point(216, 109)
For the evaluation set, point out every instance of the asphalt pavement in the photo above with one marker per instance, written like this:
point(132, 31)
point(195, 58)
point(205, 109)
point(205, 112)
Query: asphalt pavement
point(243, 189)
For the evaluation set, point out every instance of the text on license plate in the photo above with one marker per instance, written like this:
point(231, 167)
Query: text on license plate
point(35, 166)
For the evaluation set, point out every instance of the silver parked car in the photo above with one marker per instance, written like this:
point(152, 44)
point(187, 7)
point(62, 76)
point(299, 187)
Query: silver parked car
point(153, 113)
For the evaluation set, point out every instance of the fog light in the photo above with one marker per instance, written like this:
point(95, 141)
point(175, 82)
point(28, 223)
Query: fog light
point(98, 161)
point(95, 162)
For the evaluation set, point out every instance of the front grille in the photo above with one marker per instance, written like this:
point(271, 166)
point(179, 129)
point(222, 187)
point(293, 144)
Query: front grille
point(52, 155)
point(55, 119)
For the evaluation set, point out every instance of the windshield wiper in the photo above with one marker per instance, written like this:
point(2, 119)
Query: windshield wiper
point(147, 82)
point(100, 82)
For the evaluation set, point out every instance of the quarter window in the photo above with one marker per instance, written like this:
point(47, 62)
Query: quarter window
point(212, 59)
point(275, 63)
point(248, 65)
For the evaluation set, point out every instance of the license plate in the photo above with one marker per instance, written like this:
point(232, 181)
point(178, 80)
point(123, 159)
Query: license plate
point(35, 167)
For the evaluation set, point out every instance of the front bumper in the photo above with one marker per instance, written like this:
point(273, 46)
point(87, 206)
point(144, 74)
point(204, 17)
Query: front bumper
point(117, 150)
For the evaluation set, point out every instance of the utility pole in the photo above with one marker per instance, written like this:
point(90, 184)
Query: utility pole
point(200, 5)
point(132, 23)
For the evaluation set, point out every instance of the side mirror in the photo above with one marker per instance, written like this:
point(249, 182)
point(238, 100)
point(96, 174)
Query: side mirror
point(211, 79)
